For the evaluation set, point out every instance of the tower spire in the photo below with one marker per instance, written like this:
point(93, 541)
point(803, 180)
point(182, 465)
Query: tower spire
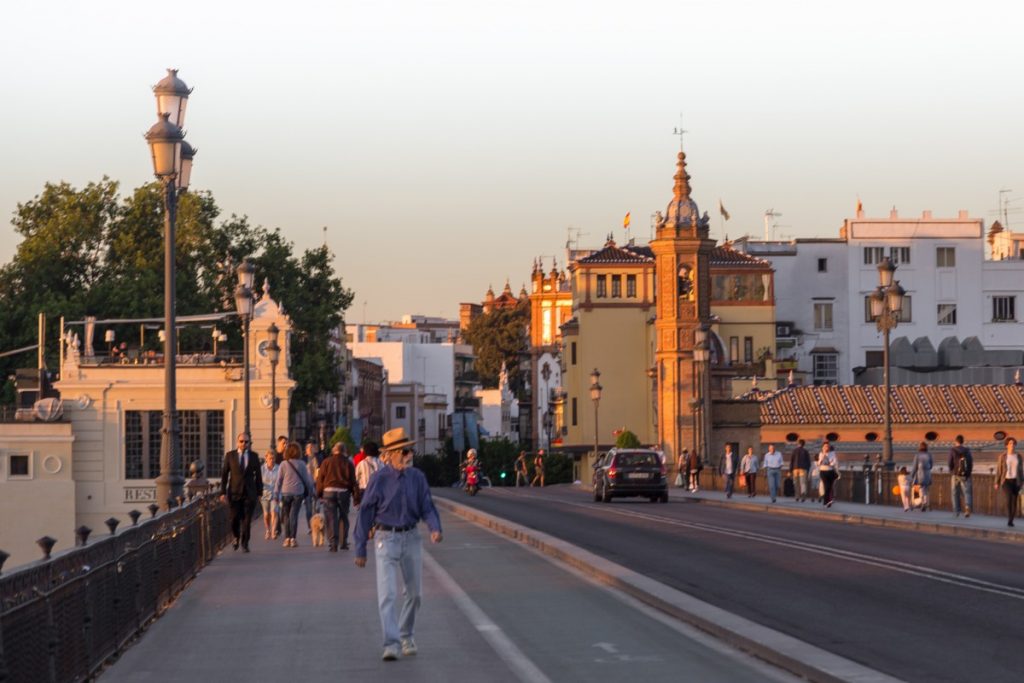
point(681, 191)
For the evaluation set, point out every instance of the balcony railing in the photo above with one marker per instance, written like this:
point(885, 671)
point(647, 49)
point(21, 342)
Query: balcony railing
point(62, 618)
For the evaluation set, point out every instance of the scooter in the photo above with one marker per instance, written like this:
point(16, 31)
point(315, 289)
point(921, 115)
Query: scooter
point(472, 478)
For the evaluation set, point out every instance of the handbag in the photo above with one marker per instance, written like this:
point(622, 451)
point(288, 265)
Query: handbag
point(305, 487)
point(743, 479)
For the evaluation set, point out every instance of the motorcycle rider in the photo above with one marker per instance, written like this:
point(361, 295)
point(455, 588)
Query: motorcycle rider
point(472, 468)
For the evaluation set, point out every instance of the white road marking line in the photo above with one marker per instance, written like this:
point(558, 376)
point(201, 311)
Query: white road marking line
point(524, 669)
point(837, 553)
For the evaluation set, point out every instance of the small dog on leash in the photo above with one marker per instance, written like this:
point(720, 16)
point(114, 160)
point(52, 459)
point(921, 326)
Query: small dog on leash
point(316, 525)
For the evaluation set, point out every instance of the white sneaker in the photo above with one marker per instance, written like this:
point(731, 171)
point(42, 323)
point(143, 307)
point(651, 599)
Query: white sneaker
point(390, 653)
point(409, 647)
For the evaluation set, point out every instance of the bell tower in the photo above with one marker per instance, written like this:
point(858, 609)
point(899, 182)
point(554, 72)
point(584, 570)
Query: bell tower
point(682, 251)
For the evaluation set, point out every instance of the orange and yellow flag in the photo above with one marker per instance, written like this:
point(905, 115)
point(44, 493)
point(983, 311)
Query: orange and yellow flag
point(625, 221)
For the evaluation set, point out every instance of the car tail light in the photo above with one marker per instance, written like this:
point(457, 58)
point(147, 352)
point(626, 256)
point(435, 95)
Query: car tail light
point(611, 472)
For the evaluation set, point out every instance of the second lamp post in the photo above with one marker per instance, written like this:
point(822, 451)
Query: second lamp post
point(245, 302)
point(595, 395)
point(886, 308)
point(274, 356)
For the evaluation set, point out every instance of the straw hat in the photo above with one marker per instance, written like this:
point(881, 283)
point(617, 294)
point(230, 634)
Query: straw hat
point(395, 439)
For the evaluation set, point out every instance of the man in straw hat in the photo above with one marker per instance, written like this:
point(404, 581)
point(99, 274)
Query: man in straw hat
point(396, 499)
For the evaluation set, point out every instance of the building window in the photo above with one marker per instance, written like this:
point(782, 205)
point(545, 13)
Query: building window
point(602, 286)
point(823, 265)
point(734, 349)
point(17, 466)
point(573, 352)
point(202, 440)
point(947, 314)
point(399, 412)
point(631, 286)
point(945, 257)
point(906, 310)
point(899, 255)
point(1004, 309)
point(574, 412)
point(440, 426)
point(873, 255)
point(616, 286)
point(874, 359)
point(823, 316)
point(748, 349)
point(826, 368)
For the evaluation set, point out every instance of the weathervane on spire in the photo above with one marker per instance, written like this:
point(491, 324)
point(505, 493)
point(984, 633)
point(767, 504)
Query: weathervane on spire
point(680, 131)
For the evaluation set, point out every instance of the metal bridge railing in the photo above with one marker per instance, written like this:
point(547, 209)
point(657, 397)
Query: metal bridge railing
point(62, 617)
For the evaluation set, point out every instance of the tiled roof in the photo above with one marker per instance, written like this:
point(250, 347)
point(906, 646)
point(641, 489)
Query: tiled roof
point(614, 254)
point(723, 255)
point(911, 404)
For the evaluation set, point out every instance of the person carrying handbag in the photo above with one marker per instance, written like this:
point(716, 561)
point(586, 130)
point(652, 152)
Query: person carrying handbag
point(293, 486)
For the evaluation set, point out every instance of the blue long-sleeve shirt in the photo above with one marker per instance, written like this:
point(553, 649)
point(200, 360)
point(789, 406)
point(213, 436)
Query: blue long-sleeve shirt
point(395, 498)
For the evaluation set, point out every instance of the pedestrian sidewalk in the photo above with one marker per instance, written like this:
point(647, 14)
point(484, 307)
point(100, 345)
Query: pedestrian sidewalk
point(934, 521)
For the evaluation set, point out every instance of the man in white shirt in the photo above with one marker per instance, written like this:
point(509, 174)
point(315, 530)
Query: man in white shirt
point(365, 469)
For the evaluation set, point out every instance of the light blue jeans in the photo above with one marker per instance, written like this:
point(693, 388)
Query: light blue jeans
point(961, 494)
point(774, 481)
point(399, 557)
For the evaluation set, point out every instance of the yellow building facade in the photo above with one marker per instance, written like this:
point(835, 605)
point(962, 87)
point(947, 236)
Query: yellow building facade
point(611, 331)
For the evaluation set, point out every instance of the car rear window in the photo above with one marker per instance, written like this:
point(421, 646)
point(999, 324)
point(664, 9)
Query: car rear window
point(635, 459)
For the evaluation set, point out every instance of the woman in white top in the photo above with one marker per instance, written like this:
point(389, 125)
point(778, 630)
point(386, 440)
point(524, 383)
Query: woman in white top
point(828, 470)
point(1010, 477)
point(748, 468)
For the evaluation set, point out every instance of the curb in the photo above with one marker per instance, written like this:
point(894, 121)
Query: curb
point(937, 528)
point(775, 647)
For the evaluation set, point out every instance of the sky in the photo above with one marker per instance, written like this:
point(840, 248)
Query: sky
point(446, 144)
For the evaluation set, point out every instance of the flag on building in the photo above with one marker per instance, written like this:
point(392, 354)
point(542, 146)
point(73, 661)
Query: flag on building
point(625, 222)
point(860, 206)
point(721, 210)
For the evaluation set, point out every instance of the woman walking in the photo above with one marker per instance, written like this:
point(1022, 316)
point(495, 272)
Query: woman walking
point(271, 508)
point(748, 468)
point(828, 471)
point(292, 487)
point(1010, 476)
point(921, 473)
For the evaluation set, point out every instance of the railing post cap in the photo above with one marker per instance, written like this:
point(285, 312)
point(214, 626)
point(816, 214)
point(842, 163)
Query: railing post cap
point(46, 543)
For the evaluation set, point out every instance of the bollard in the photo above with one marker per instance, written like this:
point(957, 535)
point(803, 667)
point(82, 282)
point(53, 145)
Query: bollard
point(82, 535)
point(135, 514)
point(46, 543)
point(112, 525)
point(153, 509)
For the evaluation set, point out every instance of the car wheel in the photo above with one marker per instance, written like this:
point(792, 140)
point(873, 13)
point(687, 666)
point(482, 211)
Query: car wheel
point(606, 495)
point(597, 494)
point(654, 499)
point(664, 497)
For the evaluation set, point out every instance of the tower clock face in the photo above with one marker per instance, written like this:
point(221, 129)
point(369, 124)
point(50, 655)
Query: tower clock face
point(262, 348)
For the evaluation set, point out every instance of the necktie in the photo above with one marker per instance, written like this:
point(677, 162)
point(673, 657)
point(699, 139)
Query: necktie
point(243, 459)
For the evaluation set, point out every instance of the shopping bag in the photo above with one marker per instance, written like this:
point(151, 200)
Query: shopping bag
point(679, 479)
point(742, 479)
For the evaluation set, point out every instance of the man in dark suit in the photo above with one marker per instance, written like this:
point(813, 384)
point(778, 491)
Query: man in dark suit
point(241, 485)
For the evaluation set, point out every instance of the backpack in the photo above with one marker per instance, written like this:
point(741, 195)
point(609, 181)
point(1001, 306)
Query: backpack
point(961, 465)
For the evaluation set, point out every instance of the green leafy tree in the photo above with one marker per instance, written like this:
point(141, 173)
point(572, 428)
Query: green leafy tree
point(91, 252)
point(627, 439)
point(500, 337)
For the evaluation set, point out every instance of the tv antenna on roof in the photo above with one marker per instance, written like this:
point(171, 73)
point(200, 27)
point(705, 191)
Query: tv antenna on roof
point(680, 131)
point(768, 216)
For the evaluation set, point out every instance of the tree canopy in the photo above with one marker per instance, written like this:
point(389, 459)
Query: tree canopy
point(500, 336)
point(93, 252)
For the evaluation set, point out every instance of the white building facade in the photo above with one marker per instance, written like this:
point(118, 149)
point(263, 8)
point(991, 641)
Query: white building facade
point(952, 291)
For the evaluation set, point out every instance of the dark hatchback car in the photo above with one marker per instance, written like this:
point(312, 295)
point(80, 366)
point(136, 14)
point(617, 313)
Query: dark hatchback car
point(630, 472)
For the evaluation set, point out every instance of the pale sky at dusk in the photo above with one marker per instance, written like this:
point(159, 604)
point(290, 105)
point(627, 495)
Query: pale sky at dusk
point(446, 144)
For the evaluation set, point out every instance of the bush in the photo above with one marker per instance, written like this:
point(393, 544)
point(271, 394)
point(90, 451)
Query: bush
point(627, 439)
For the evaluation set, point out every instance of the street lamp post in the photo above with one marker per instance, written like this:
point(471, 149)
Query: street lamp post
point(245, 303)
point(595, 395)
point(886, 305)
point(274, 355)
point(548, 419)
point(172, 165)
point(701, 357)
